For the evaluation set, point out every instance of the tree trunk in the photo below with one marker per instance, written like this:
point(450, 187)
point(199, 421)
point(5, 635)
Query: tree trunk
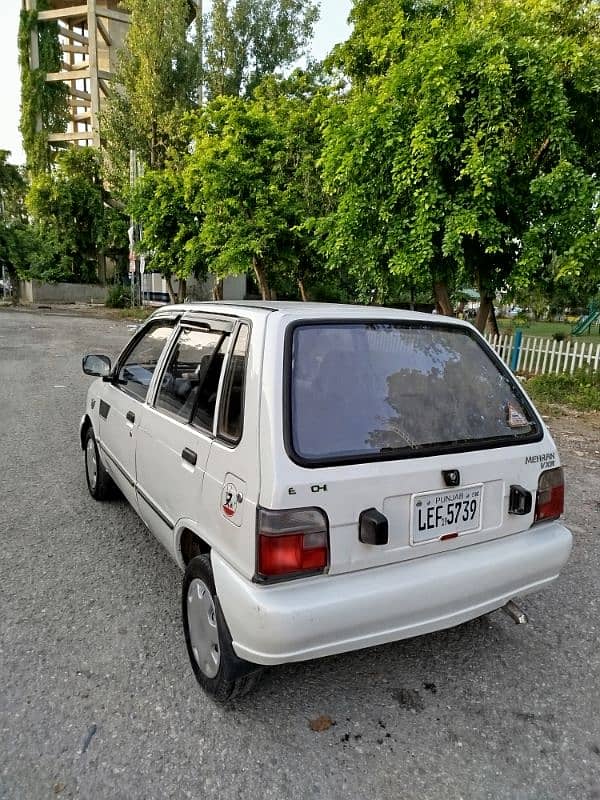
point(442, 298)
point(492, 321)
point(170, 289)
point(261, 278)
point(16, 286)
point(182, 290)
point(217, 290)
point(153, 145)
point(303, 292)
point(485, 305)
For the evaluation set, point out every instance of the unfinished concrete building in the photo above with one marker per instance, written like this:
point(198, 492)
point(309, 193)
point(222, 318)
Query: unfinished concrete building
point(90, 36)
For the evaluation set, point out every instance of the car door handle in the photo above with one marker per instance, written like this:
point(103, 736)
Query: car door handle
point(189, 455)
point(130, 416)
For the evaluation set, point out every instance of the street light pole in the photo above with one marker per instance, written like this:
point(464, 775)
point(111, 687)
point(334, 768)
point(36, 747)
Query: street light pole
point(200, 31)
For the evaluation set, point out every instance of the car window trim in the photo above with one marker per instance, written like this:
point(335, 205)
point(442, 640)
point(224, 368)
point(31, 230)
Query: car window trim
point(230, 442)
point(162, 365)
point(217, 323)
point(434, 450)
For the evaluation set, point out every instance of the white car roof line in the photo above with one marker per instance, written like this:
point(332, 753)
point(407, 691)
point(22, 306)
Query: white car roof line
point(301, 310)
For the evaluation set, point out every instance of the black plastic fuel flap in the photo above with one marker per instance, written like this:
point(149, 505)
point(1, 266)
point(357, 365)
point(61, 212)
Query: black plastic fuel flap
point(372, 527)
point(519, 501)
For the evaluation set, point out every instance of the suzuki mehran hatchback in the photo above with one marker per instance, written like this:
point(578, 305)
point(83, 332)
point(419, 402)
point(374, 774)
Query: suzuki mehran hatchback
point(329, 477)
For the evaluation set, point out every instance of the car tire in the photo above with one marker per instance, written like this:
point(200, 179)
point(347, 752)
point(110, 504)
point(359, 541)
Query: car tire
point(99, 482)
point(218, 670)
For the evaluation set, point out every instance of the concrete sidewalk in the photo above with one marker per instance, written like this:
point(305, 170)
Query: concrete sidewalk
point(89, 310)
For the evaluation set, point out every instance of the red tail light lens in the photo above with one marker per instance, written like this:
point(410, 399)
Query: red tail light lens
point(291, 543)
point(550, 501)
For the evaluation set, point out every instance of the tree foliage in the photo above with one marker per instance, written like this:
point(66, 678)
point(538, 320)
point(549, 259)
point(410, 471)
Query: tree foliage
point(15, 236)
point(158, 75)
point(246, 40)
point(43, 105)
point(70, 220)
point(170, 228)
point(253, 176)
point(468, 146)
point(12, 190)
point(463, 151)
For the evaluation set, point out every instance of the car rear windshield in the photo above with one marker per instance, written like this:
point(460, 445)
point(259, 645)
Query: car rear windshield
point(386, 390)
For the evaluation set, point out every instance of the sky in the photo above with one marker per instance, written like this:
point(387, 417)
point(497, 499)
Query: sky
point(331, 28)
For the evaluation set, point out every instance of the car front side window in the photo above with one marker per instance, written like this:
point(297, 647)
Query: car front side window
point(136, 371)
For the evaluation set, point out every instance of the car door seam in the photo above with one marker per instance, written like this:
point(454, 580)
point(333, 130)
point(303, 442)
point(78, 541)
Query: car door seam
point(158, 511)
point(117, 464)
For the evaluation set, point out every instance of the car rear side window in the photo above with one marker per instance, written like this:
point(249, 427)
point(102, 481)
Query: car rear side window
point(366, 391)
point(189, 367)
point(232, 403)
point(206, 400)
point(136, 371)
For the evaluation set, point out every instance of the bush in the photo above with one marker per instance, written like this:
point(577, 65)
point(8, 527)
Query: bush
point(118, 297)
point(559, 336)
point(581, 390)
point(521, 320)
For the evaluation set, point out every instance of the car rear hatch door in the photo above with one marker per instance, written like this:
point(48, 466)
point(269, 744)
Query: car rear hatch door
point(416, 428)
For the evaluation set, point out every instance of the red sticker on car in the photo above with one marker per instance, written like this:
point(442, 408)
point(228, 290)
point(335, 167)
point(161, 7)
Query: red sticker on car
point(229, 500)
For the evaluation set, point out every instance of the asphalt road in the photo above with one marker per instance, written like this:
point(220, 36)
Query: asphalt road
point(97, 699)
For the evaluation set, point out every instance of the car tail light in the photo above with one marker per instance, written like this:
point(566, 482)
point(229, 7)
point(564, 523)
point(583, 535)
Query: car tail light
point(550, 500)
point(291, 543)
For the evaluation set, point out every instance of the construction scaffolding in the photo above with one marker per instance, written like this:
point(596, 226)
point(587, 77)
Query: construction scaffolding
point(90, 36)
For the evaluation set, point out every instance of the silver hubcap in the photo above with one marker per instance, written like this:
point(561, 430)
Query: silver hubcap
point(202, 627)
point(91, 463)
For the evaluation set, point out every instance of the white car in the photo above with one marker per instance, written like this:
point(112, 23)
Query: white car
point(328, 477)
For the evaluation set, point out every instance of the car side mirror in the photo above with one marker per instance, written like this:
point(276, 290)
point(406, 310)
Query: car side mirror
point(97, 365)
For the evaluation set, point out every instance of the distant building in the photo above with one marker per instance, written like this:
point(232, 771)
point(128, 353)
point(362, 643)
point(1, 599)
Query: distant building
point(90, 36)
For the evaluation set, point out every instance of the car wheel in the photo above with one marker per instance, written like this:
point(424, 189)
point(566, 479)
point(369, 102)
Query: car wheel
point(218, 670)
point(99, 481)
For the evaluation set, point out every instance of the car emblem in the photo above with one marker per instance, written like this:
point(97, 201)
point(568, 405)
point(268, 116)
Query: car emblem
point(451, 477)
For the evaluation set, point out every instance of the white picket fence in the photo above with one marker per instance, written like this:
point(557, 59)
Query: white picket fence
point(540, 356)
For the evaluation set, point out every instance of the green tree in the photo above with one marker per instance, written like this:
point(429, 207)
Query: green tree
point(246, 40)
point(466, 129)
point(72, 224)
point(253, 175)
point(16, 238)
point(170, 229)
point(158, 73)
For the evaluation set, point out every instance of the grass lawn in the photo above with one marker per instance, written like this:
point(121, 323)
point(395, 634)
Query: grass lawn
point(580, 391)
point(136, 312)
point(546, 329)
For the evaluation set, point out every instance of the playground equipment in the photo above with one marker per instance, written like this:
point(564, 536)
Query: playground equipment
point(584, 324)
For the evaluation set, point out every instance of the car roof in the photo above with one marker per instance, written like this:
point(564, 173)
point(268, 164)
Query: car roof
point(307, 310)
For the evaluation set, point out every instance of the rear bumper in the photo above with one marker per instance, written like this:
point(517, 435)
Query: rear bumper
point(321, 616)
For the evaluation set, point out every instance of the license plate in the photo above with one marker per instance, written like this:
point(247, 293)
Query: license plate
point(444, 514)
